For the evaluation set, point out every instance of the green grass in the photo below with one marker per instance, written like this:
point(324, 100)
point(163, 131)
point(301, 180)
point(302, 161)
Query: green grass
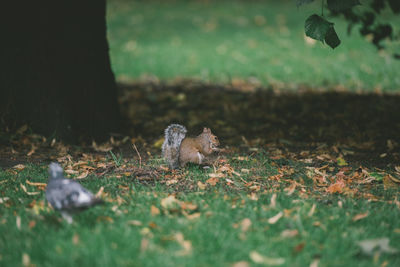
point(104, 236)
point(219, 41)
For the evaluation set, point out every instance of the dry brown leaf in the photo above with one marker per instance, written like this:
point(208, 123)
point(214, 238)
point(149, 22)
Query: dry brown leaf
point(241, 264)
point(134, 223)
point(212, 181)
point(188, 206)
point(154, 210)
point(192, 216)
point(201, 185)
point(217, 175)
point(32, 224)
point(144, 244)
point(360, 216)
point(314, 263)
point(19, 167)
point(83, 175)
point(28, 193)
point(36, 184)
point(289, 233)
point(172, 181)
point(312, 210)
point(275, 218)
point(186, 245)
point(169, 202)
point(273, 201)
point(26, 260)
point(337, 187)
point(100, 192)
point(245, 224)
point(290, 190)
point(18, 222)
point(75, 239)
point(261, 259)
point(388, 183)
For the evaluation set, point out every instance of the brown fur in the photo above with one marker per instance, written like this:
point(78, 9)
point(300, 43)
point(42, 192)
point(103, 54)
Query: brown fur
point(196, 149)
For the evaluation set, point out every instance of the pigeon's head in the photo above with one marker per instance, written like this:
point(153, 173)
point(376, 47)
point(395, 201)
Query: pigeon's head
point(55, 171)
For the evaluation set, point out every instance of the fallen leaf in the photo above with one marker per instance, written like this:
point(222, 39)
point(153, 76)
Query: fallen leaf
point(192, 216)
point(75, 239)
point(134, 222)
point(18, 222)
point(201, 185)
point(32, 224)
point(299, 247)
point(337, 187)
point(275, 218)
point(186, 245)
point(212, 181)
point(312, 210)
point(19, 167)
point(288, 233)
point(245, 224)
point(169, 202)
point(144, 244)
point(28, 193)
point(26, 260)
point(315, 263)
point(341, 162)
point(388, 183)
point(100, 192)
point(360, 216)
point(4, 199)
point(380, 245)
point(241, 264)
point(36, 184)
point(154, 210)
point(260, 259)
point(83, 175)
point(272, 203)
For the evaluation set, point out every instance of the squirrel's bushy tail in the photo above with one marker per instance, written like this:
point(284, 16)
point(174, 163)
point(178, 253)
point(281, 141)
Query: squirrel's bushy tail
point(174, 134)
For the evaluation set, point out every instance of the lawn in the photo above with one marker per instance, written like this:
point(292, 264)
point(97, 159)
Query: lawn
point(253, 210)
point(260, 42)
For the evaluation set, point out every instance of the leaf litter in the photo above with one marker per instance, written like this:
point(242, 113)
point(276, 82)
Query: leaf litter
point(290, 160)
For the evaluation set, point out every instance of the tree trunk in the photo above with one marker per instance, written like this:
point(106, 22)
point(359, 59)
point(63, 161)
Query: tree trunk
point(56, 73)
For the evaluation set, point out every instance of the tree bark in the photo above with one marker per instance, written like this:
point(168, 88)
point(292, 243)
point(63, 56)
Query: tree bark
point(56, 75)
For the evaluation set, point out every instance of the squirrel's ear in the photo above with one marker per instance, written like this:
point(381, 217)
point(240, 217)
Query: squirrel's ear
point(206, 130)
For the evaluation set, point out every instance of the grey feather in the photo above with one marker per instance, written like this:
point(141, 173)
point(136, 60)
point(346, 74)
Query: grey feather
point(66, 195)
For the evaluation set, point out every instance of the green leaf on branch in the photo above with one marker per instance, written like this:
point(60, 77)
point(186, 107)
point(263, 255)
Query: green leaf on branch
point(340, 5)
point(331, 38)
point(302, 2)
point(318, 28)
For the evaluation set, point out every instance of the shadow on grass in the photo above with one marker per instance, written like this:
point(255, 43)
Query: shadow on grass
point(364, 126)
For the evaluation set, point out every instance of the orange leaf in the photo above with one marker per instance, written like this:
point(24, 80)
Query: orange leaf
point(337, 187)
point(154, 210)
point(212, 181)
point(360, 216)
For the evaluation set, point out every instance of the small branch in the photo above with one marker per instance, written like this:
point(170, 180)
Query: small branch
point(137, 152)
point(322, 7)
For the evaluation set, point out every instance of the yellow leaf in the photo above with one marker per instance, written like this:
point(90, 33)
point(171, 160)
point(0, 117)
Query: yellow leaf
point(340, 161)
point(159, 143)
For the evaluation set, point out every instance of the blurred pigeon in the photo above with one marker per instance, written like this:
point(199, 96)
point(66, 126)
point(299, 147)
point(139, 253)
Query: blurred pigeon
point(66, 195)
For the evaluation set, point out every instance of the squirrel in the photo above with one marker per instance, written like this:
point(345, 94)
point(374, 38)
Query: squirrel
point(178, 149)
